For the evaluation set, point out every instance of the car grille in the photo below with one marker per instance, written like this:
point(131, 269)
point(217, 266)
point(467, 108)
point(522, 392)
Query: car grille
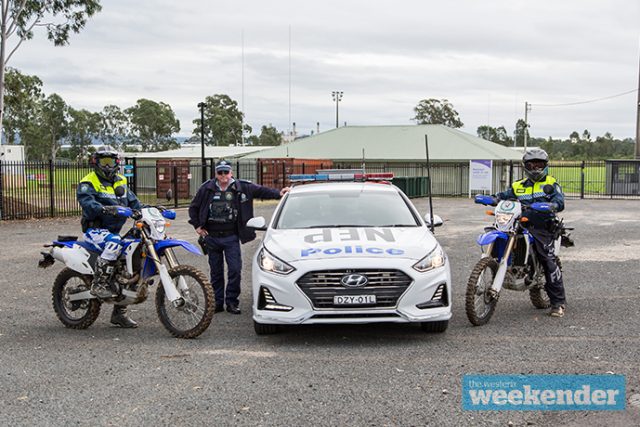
point(322, 286)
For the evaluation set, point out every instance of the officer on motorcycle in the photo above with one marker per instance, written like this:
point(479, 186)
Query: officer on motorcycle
point(539, 186)
point(99, 194)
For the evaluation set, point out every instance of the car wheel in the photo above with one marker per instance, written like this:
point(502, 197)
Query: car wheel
point(265, 329)
point(435, 327)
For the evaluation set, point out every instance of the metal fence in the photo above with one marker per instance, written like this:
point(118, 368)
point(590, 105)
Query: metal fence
point(48, 189)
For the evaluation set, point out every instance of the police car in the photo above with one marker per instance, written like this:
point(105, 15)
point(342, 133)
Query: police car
point(348, 248)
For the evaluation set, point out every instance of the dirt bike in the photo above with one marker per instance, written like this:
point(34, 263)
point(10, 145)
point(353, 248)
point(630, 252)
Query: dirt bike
point(184, 299)
point(508, 259)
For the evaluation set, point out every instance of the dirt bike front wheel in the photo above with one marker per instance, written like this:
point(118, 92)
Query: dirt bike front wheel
point(73, 314)
point(194, 316)
point(480, 303)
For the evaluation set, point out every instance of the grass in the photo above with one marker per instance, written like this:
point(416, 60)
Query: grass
point(570, 179)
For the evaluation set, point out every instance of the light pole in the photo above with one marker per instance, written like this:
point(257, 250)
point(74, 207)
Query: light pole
point(337, 96)
point(201, 106)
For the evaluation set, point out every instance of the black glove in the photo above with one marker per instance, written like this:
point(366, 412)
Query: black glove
point(161, 208)
point(110, 210)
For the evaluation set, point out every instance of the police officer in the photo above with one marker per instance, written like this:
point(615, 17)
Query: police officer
point(99, 194)
point(539, 186)
point(219, 212)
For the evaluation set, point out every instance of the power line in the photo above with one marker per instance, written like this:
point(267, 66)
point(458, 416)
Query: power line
point(585, 102)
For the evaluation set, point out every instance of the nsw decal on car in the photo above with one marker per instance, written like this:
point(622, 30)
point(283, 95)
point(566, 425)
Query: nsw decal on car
point(351, 235)
point(350, 249)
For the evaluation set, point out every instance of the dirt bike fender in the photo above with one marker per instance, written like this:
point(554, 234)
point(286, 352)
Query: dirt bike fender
point(73, 256)
point(490, 237)
point(161, 245)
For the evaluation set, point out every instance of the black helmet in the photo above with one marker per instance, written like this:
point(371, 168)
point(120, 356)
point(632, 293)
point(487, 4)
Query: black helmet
point(105, 162)
point(535, 163)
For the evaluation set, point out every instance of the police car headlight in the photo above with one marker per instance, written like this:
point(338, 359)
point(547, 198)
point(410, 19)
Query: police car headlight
point(503, 218)
point(273, 264)
point(434, 260)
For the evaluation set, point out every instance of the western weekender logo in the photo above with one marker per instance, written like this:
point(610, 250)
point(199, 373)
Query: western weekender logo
point(543, 392)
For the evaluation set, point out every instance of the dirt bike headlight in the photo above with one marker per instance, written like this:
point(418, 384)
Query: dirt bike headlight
point(503, 218)
point(272, 264)
point(159, 225)
point(433, 260)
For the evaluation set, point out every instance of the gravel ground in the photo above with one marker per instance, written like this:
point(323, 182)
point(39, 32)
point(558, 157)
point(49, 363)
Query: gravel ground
point(331, 375)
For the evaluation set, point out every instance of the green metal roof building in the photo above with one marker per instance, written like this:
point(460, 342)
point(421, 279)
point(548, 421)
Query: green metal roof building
point(391, 144)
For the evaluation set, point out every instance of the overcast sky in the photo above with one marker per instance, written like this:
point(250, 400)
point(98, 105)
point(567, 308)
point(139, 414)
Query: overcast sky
point(486, 57)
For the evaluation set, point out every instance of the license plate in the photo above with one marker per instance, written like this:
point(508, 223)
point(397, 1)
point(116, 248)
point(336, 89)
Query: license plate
point(354, 299)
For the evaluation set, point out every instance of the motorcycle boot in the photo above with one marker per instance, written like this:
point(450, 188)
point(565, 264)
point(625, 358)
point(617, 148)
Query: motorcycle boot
point(119, 317)
point(100, 286)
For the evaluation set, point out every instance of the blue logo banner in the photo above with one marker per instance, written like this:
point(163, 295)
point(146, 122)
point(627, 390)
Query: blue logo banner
point(543, 392)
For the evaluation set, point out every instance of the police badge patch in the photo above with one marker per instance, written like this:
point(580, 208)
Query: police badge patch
point(228, 196)
point(84, 188)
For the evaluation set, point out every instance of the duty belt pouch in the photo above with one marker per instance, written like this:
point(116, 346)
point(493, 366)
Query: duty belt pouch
point(203, 244)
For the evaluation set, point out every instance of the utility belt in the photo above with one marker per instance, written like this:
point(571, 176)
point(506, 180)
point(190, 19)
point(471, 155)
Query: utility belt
point(87, 224)
point(227, 233)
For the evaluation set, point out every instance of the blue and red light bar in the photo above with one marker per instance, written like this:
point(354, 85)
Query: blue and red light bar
point(338, 175)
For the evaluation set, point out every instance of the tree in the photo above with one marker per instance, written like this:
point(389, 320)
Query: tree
point(19, 18)
point(152, 125)
point(22, 95)
point(574, 137)
point(114, 126)
point(51, 127)
point(437, 112)
point(223, 122)
point(498, 135)
point(269, 136)
point(521, 130)
point(84, 127)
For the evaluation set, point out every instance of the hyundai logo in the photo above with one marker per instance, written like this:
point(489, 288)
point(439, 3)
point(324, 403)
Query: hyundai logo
point(354, 280)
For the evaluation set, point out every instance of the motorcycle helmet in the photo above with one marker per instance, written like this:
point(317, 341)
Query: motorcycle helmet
point(105, 162)
point(535, 162)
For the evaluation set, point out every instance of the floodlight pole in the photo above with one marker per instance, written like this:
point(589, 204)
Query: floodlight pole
point(337, 96)
point(638, 118)
point(527, 108)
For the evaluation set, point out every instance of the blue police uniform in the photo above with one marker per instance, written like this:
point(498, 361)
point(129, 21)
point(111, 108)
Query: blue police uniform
point(542, 228)
point(224, 214)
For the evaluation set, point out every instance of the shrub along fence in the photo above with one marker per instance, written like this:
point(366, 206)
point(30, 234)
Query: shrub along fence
point(48, 189)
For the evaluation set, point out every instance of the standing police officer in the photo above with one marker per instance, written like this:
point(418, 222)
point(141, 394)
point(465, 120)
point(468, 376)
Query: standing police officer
point(100, 193)
point(539, 186)
point(219, 212)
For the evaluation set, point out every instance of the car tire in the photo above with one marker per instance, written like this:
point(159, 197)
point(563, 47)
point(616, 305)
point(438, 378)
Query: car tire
point(265, 329)
point(435, 327)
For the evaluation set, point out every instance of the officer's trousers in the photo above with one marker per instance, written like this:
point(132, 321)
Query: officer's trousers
point(229, 248)
point(545, 250)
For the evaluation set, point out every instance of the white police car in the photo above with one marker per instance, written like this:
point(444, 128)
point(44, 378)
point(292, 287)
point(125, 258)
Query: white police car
point(349, 252)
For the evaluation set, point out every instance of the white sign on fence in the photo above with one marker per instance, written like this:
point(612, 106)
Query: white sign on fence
point(480, 175)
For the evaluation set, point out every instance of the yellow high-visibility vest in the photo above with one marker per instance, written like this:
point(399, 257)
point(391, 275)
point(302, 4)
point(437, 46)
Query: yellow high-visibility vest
point(107, 191)
point(531, 192)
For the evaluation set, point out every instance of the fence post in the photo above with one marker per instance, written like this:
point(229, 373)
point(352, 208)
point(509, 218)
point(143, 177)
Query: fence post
point(510, 172)
point(237, 169)
point(1, 191)
point(212, 169)
point(260, 172)
point(134, 180)
point(582, 180)
point(284, 171)
point(175, 185)
point(52, 202)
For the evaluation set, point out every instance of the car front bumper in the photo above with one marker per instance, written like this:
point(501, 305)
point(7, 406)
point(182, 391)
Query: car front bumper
point(286, 292)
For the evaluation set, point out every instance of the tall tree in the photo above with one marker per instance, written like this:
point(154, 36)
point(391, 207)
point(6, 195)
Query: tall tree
point(498, 135)
point(53, 123)
point(84, 127)
point(153, 125)
point(18, 18)
point(114, 126)
point(22, 95)
point(437, 112)
point(269, 136)
point(223, 122)
point(521, 130)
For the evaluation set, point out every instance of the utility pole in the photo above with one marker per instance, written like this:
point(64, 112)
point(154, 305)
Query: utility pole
point(638, 118)
point(337, 96)
point(527, 108)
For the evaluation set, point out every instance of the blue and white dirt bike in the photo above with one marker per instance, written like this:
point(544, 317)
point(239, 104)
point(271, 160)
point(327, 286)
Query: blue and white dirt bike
point(184, 299)
point(508, 259)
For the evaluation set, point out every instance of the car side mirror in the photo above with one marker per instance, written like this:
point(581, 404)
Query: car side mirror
point(257, 223)
point(437, 221)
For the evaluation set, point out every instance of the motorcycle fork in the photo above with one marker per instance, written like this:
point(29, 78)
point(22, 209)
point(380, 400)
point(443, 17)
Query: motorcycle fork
point(172, 261)
point(167, 283)
point(498, 280)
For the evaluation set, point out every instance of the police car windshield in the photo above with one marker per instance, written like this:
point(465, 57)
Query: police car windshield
point(345, 209)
